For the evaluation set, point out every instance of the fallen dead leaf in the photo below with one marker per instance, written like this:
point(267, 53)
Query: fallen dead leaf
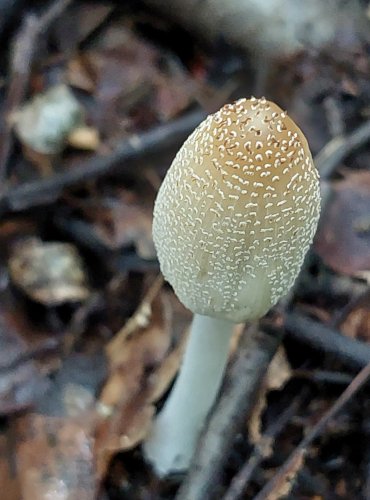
point(124, 221)
point(140, 319)
point(124, 404)
point(55, 458)
point(279, 371)
point(129, 224)
point(143, 365)
point(357, 323)
point(278, 374)
point(21, 381)
point(343, 238)
point(50, 273)
point(134, 83)
point(164, 375)
point(8, 471)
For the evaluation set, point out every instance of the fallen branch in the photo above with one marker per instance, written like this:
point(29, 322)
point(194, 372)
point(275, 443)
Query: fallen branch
point(336, 150)
point(349, 352)
point(38, 192)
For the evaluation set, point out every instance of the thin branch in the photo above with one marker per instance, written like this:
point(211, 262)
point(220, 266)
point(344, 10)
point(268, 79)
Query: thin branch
point(34, 193)
point(339, 147)
point(350, 352)
point(357, 383)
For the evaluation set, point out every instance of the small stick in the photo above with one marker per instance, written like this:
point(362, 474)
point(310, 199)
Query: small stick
point(242, 478)
point(350, 352)
point(22, 58)
point(357, 383)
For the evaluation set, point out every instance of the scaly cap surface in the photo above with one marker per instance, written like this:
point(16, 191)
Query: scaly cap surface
point(237, 211)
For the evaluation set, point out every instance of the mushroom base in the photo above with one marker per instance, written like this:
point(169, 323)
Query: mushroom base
point(171, 444)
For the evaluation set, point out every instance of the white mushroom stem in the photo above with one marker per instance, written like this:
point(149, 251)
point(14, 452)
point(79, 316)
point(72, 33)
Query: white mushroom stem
point(171, 444)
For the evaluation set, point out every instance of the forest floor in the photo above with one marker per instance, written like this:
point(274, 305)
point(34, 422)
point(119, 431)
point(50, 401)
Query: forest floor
point(96, 98)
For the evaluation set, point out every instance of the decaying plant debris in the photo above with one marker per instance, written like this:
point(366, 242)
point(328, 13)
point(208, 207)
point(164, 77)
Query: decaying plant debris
point(96, 98)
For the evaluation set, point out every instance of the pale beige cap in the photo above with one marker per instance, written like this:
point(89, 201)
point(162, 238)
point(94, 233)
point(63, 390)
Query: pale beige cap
point(237, 211)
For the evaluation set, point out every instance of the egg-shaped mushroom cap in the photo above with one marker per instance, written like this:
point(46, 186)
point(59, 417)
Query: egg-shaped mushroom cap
point(237, 211)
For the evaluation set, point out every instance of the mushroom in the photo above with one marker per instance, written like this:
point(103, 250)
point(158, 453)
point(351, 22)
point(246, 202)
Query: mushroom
point(233, 219)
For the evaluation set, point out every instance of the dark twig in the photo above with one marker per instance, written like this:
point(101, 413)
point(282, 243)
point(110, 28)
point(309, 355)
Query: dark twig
point(300, 451)
point(350, 352)
point(365, 428)
point(22, 58)
point(323, 376)
point(255, 352)
point(241, 480)
point(9, 9)
point(339, 147)
point(37, 192)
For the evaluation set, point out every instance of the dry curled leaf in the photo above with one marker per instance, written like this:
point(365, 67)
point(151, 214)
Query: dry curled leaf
point(125, 401)
point(279, 371)
point(166, 372)
point(143, 364)
point(50, 273)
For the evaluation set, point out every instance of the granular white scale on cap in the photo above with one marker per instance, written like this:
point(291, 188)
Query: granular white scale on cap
point(237, 211)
